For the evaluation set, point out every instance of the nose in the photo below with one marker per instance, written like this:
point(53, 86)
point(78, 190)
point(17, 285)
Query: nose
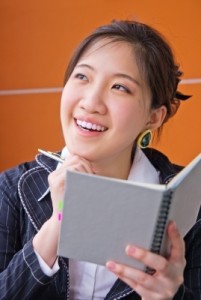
point(92, 100)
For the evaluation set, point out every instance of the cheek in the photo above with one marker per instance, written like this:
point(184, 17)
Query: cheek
point(130, 118)
point(67, 101)
point(126, 112)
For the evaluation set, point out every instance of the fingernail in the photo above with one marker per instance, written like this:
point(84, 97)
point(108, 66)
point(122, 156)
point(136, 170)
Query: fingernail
point(111, 265)
point(130, 250)
point(60, 205)
point(60, 208)
point(174, 225)
point(59, 216)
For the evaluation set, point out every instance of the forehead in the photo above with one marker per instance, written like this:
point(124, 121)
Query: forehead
point(116, 55)
point(111, 46)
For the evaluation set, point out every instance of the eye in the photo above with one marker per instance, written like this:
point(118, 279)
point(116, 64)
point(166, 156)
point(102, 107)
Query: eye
point(80, 76)
point(121, 87)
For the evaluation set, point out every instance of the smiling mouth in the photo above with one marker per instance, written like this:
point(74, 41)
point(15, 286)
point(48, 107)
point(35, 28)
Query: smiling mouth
point(90, 126)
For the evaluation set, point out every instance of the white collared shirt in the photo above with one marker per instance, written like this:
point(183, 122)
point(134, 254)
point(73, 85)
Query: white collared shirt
point(91, 281)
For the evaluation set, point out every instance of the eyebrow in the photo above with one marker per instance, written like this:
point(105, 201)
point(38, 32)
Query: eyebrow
point(116, 74)
point(128, 77)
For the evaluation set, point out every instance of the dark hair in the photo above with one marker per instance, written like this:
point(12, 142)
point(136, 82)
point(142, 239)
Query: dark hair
point(154, 57)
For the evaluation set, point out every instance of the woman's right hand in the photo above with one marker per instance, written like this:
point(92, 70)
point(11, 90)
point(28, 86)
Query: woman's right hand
point(58, 177)
point(45, 241)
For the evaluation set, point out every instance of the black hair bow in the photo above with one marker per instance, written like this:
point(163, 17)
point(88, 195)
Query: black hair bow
point(180, 96)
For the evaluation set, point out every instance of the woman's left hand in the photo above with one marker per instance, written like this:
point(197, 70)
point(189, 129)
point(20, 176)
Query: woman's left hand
point(164, 283)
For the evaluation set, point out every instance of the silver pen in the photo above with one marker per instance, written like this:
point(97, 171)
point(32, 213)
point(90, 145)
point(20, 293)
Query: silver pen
point(52, 155)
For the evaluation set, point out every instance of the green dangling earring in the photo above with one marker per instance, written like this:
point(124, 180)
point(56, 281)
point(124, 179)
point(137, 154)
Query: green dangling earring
point(144, 139)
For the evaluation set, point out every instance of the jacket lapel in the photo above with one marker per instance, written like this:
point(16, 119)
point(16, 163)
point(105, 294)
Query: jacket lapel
point(119, 290)
point(32, 187)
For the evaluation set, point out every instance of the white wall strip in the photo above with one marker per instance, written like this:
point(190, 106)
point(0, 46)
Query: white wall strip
point(31, 91)
point(191, 81)
point(59, 89)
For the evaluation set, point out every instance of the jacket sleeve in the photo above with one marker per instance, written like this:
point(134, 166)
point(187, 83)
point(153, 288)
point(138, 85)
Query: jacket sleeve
point(184, 293)
point(191, 288)
point(20, 274)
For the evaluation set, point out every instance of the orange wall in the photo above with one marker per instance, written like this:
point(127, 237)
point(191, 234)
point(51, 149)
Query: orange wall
point(37, 38)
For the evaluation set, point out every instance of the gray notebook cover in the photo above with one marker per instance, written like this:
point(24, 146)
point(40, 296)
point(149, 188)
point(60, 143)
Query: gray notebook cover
point(102, 215)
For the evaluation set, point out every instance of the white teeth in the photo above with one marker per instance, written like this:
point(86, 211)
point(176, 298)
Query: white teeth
point(88, 125)
point(79, 122)
point(83, 124)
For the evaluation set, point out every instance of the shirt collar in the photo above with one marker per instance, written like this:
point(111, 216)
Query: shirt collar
point(142, 170)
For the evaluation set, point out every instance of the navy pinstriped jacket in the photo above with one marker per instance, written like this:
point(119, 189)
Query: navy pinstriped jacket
point(21, 216)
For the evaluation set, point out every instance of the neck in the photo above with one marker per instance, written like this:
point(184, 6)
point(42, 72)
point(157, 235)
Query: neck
point(116, 169)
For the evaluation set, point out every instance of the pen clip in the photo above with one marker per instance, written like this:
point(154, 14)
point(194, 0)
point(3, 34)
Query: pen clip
point(55, 154)
point(52, 155)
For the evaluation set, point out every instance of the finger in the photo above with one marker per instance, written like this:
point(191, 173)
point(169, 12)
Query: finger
point(130, 274)
point(149, 259)
point(147, 286)
point(177, 243)
point(146, 294)
point(77, 163)
point(134, 278)
point(56, 179)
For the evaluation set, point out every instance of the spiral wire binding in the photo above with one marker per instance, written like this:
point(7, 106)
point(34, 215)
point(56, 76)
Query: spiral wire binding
point(160, 226)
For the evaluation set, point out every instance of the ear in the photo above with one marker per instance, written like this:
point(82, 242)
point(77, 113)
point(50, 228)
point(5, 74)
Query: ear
point(157, 117)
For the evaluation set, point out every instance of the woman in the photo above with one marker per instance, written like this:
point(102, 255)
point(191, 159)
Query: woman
point(120, 86)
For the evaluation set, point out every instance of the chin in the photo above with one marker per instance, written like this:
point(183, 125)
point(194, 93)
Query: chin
point(80, 152)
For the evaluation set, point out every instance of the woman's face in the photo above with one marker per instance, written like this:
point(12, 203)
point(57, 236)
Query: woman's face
point(105, 104)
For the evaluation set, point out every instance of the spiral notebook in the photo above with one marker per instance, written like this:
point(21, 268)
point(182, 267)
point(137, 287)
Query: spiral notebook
point(102, 215)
